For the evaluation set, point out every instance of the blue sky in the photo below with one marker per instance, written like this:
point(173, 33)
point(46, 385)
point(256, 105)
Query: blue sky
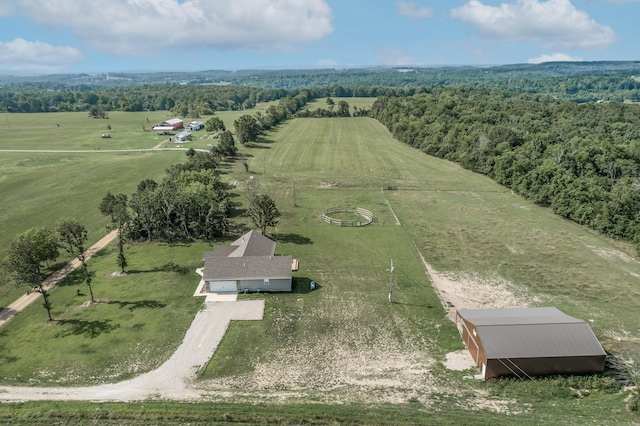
point(71, 36)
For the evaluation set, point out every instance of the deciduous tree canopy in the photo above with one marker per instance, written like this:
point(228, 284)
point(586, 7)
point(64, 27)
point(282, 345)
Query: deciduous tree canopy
point(582, 160)
point(263, 212)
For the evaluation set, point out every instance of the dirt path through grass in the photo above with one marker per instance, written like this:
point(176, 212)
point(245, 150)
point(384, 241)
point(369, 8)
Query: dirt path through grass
point(9, 312)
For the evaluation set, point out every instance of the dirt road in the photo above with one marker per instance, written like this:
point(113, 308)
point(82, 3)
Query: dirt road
point(24, 301)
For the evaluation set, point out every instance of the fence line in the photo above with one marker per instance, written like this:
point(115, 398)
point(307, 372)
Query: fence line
point(366, 214)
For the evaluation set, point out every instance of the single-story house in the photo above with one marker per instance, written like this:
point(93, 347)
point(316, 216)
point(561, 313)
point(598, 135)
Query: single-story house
point(526, 342)
point(247, 264)
point(194, 125)
point(172, 124)
point(183, 137)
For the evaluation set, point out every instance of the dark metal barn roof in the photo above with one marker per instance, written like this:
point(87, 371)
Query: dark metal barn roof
point(532, 333)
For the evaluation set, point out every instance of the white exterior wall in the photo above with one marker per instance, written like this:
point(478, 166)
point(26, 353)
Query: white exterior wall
point(282, 284)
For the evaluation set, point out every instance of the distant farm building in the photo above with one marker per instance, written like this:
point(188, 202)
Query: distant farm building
point(183, 137)
point(194, 126)
point(529, 342)
point(173, 124)
point(248, 264)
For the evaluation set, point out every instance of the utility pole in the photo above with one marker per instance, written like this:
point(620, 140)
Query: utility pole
point(391, 281)
point(294, 194)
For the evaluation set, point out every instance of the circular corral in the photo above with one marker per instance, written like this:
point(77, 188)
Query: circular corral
point(329, 214)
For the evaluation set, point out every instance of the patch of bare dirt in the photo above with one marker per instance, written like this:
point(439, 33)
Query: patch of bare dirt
point(609, 253)
point(459, 361)
point(471, 291)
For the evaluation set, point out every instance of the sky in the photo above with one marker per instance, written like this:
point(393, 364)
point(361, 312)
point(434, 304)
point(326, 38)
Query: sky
point(95, 36)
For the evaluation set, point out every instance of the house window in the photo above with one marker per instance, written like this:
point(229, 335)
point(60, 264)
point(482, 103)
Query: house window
point(266, 281)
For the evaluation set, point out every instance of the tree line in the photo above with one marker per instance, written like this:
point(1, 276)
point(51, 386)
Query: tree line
point(185, 101)
point(581, 160)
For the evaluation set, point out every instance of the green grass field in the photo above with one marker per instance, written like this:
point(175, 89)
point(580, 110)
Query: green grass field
point(360, 359)
point(38, 189)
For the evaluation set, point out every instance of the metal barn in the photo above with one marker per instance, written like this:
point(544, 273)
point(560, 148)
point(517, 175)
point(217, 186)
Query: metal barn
point(526, 342)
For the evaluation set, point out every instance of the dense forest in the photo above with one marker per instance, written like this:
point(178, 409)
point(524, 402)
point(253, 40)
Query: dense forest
point(582, 160)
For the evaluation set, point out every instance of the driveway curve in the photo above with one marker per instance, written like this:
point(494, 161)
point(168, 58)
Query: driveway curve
point(172, 380)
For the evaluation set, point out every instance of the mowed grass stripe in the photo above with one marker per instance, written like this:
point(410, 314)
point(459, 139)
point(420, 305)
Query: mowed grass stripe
point(357, 152)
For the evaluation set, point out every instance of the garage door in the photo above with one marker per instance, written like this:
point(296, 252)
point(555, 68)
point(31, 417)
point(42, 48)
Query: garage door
point(222, 286)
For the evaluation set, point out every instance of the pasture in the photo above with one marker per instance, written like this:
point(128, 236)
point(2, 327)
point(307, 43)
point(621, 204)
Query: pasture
point(344, 345)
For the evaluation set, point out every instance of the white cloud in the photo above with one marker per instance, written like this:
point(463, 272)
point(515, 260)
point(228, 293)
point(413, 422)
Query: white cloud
point(556, 24)
point(25, 56)
point(410, 10)
point(554, 57)
point(393, 57)
point(142, 27)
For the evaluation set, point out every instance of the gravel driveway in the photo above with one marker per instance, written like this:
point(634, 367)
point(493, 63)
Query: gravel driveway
point(172, 379)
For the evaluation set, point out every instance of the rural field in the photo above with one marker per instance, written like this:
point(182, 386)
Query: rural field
point(340, 354)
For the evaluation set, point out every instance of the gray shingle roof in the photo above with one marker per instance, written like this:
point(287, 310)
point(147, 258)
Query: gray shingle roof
point(252, 267)
point(249, 257)
point(253, 244)
point(532, 333)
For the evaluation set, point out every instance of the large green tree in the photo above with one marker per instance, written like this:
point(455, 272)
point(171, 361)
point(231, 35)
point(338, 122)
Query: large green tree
point(247, 129)
point(73, 236)
point(28, 254)
point(226, 144)
point(263, 212)
point(116, 207)
point(214, 124)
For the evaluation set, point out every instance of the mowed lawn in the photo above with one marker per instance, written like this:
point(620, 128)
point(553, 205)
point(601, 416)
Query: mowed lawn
point(344, 342)
point(137, 323)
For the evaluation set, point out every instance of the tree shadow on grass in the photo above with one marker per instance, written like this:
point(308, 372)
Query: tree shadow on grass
point(151, 304)
point(256, 145)
point(291, 238)
point(5, 358)
point(91, 329)
point(100, 253)
point(167, 267)
point(74, 278)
